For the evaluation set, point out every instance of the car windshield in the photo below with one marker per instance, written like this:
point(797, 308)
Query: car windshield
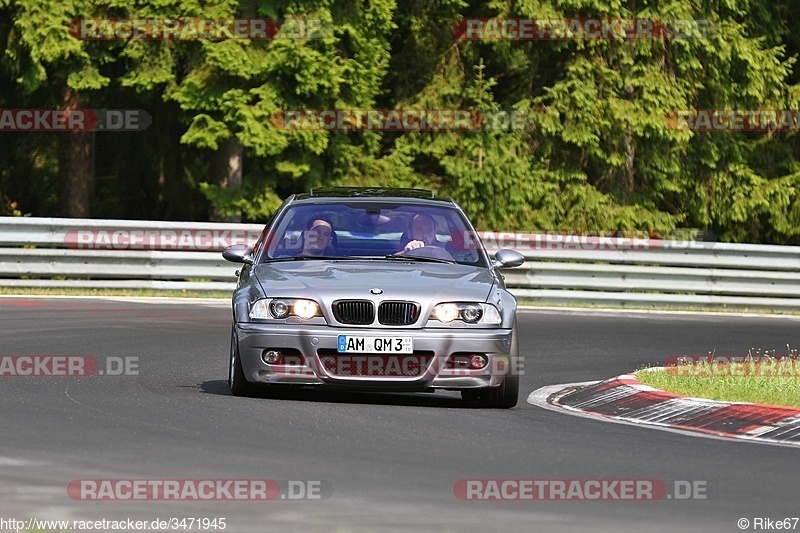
point(385, 230)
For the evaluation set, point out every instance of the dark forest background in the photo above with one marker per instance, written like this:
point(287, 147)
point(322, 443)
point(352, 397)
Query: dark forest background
point(595, 152)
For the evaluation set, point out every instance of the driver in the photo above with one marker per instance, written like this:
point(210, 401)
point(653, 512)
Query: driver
point(422, 231)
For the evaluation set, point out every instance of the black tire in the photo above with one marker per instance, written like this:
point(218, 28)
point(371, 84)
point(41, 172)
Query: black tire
point(471, 395)
point(236, 380)
point(506, 395)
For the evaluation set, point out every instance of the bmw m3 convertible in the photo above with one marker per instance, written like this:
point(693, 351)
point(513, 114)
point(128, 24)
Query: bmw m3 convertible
point(374, 289)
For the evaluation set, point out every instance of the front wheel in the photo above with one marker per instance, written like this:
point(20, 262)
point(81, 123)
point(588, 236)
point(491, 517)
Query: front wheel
point(507, 394)
point(503, 397)
point(236, 380)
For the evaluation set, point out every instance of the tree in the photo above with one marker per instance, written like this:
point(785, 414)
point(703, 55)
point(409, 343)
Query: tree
point(47, 60)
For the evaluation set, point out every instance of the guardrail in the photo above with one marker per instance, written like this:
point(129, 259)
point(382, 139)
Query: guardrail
point(56, 252)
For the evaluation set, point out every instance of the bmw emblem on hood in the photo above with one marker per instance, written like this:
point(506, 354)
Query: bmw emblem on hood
point(376, 291)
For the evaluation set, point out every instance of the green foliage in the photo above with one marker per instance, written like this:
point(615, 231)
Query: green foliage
point(591, 146)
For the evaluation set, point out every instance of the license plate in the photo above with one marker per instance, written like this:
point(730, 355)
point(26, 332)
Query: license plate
point(351, 344)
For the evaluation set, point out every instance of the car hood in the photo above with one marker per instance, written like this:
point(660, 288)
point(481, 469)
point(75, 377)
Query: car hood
point(332, 280)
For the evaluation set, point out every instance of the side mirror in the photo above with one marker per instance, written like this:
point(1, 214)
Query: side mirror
point(508, 259)
point(238, 253)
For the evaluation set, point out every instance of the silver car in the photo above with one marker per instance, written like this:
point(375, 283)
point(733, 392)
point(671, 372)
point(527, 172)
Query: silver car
point(374, 289)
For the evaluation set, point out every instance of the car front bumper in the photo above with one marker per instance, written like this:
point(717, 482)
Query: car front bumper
point(320, 364)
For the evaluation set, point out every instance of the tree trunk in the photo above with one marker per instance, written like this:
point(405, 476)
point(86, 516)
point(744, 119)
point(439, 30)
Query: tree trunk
point(227, 173)
point(630, 152)
point(75, 168)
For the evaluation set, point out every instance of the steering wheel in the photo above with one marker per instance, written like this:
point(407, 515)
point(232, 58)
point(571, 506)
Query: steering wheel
point(435, 252)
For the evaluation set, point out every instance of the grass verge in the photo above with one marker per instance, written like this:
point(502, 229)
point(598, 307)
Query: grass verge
point(522, 301)
point(44, 291)
point(762, 380)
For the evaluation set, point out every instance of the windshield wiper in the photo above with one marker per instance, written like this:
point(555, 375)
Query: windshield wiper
point(303, 257)
point(418, 258)
point(404, 258)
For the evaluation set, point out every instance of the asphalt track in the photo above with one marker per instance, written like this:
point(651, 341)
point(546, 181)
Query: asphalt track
point(390, 461)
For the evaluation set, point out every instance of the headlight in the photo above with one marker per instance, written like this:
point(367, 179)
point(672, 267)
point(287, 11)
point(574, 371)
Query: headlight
point(279, 308)
point(259, 309)
point(445, 312)
point(471, 313)
point(306, 308)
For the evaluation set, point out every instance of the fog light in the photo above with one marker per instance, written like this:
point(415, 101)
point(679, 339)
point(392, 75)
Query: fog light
point(271, 357)
point(478, 361)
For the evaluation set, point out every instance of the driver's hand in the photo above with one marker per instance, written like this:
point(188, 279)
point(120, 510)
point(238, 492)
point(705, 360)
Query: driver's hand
point(413, 244)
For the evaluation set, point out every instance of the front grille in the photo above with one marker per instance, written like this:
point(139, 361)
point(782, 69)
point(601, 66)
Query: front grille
point(398, 313)
point(356, 312)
